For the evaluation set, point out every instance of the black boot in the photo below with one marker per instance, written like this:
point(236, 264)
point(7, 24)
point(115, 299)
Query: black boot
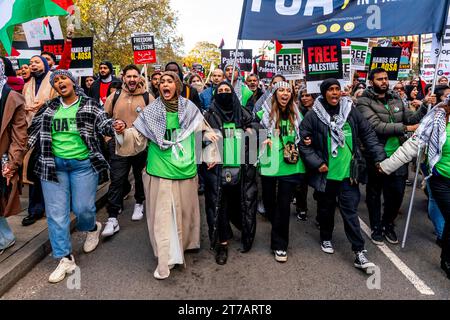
point(445, 265)
point(31, 219)
point(221, 253)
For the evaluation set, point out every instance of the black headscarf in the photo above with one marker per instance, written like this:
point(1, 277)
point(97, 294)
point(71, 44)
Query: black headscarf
point(41, 75)
point(180, 70)
point(227, 106)
point(326, 84)
point(409, 89)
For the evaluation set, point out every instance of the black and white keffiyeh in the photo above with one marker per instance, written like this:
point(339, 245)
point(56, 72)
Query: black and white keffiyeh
point(432, 133)
point(269, 123)
point(151, 123)
point(336, 125)
point(3, 78)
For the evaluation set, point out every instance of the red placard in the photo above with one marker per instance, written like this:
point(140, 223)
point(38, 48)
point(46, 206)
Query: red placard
point(143, 57)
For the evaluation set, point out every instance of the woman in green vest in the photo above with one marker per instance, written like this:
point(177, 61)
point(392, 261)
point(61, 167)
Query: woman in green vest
point(280, 165)
point(168, 127)
point(433, 136)
point(230, 188)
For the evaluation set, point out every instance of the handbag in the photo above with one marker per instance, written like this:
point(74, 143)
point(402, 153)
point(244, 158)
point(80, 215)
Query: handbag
point(230, 176)
point(290, 152)
point(358, 167)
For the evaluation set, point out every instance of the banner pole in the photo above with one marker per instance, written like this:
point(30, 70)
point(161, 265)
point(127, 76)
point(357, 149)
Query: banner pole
point(411, 202)
point(146, 77)
point(235, 60)
point(441, 43)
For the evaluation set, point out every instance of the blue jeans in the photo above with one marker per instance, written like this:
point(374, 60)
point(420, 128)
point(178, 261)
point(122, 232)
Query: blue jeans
point(6, 234)
point(435, 214)
point(77, 185)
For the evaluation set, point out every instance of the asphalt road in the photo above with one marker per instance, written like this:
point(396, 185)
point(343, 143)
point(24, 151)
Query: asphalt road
point(122, 267)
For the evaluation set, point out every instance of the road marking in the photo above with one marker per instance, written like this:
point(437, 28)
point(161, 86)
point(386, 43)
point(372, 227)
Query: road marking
point(407, 272)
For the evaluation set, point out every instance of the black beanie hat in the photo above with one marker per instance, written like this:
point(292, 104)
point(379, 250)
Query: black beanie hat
point(108, 64)
point(326, 84)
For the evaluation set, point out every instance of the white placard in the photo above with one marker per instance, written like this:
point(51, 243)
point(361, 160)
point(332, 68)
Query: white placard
point(35, 31)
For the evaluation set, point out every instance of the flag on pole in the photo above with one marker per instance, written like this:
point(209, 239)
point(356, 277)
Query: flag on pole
point(13, 12)
point(222, 44)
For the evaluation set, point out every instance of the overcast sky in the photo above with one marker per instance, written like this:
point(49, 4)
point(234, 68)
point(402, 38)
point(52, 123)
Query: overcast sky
point(210, 20)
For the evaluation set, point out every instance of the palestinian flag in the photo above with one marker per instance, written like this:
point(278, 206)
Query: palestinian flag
point(13, 12)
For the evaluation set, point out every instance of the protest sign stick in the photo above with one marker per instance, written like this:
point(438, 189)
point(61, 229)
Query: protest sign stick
point(146, 77)
point(411, 202)
point(235, 60)
point(433, 86)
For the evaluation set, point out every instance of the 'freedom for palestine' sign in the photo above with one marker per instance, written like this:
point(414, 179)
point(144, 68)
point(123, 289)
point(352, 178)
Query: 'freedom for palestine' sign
point(143, 48)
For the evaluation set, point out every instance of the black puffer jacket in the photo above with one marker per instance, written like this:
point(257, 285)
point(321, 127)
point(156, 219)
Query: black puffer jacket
point(373, 109)
point(245, 220)
point(316, 153)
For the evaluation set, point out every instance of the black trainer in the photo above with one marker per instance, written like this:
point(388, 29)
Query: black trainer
point(31, 219)
point(389, 234)
point(221, 254)
point(302, 216)
point(377, 237)
point(361, 261)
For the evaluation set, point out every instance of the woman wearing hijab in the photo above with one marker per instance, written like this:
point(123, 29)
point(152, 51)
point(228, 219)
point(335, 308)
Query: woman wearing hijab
point(433, 136)
point(37, 92)
point(66, 130)
point(235, 200)
point(13, 141)
point(411, 95)
point(280, 165)
point(168, 126)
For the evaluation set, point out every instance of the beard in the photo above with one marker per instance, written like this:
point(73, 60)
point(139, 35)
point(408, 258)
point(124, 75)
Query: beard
point(379, 90)
point(105, 76)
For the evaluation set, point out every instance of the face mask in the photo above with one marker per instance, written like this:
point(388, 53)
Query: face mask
point(37, 74)
point(225, 100)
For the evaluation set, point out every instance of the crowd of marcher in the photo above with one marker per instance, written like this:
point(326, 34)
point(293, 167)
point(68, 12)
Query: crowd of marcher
point(249, 148)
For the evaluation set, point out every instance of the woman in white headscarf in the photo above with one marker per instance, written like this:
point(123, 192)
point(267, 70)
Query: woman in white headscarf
point(168, 128)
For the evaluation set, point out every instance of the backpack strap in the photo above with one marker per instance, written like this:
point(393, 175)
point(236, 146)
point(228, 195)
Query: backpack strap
point(116, 97)
point(146, 97)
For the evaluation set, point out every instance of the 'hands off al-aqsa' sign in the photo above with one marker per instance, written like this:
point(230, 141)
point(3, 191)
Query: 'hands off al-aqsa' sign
point(339, 19)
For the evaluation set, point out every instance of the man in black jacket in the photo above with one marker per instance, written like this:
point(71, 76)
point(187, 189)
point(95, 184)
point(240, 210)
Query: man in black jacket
point(391, 120)
point(99, 89)
point(330, 134)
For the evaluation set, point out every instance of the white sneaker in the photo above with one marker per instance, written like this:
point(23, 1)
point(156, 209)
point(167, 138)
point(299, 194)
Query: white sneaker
point(92, 239)
point(65, 266)
point(111, 227)
point(327, 247)
point(138, 212)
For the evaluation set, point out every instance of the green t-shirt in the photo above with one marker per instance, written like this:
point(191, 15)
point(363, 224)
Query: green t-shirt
point(339, 167)
point(272, 163)
point(164, 163)
point(443, 166)
point(392, 143)
point(232, 143)
point(66, 139)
